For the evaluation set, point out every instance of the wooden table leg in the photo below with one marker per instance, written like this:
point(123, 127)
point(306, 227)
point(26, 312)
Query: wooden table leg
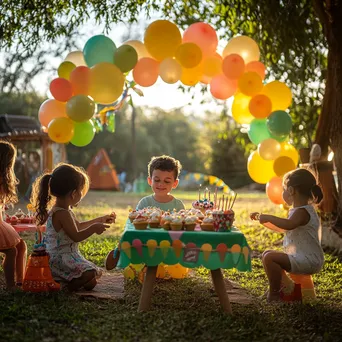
point(220, 289)
point(146, 292)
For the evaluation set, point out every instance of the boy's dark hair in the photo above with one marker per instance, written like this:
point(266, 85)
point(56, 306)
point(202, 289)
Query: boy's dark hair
point(164, 163)
point(305, 183)
point(64, 179)
point(8, 180)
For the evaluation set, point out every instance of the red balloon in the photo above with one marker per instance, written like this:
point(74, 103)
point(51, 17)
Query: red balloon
point(274, 190)
point(61, 89)
point(79, 79)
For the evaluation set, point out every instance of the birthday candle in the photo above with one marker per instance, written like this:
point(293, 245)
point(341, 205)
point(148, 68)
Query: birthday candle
point(199, 194)
point(209, 195)
point(205, 194)
point(219, 203)
point(222, 202)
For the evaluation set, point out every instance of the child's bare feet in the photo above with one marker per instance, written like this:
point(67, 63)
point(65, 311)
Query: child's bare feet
point(273, 296)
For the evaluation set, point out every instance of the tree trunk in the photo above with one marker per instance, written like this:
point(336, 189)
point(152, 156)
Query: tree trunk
point(134, 146)
point(329, 129)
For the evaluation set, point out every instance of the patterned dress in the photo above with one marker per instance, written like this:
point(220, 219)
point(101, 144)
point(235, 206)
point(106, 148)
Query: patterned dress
point(9, 238)
point(66, 262)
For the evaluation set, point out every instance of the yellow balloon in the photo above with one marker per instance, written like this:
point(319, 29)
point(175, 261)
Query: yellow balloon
point(283, 165)
point(170, 70)
point(176, 271)
point(139, 47)
point(279, 94)
point(189, 55)
point(288, 150)
point(269, 149)
point(61, 130)
point(244, 46)
point(106, 83)
point(76, 57)
point(250, 83)
point(190, 77)
point(65, 69)
point(260, 170)
point(162, 39)
point(240, 109)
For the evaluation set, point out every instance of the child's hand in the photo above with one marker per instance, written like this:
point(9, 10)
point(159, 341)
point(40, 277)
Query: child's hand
point(99, 228)
point(107, 218)
point(255, 216)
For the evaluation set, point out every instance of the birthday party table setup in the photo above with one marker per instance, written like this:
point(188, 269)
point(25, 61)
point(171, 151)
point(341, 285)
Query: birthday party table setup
point(202, 236)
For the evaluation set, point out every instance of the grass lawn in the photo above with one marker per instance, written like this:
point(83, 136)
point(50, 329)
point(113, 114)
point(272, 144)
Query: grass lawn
point(183, 310)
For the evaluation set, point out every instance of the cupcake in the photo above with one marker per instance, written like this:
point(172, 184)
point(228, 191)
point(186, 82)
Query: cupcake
point(132, 215)
point(200, 216)
point(19, 214)
point(208, 224)
point(176, 223)
point(140, 222)
point(166, 221)
point(190, 223)
point(154, 221)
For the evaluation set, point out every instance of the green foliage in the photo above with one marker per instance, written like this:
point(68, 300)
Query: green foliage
point(20, 103)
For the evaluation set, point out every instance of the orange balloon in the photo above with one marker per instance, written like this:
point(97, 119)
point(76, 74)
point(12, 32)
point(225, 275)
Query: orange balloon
point(146, 72)
point(274, 190)
point(250, 83)
point(222, 88)
point(79, 79)
point(283, 165)
point(212, 65)
point(190, 77)
point(49, 110)
point(260, 106)
point(257, 67)
point(162, 39)
point(203, 35)
point(205, 79)
point(188, 55)
point(233, 66)
point(61, 89)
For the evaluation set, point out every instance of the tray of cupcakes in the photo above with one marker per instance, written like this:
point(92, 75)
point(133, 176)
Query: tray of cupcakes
point(204, 215)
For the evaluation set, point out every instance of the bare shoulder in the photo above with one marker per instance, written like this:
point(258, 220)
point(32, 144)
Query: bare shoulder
point(301, 216)
point(61, 218)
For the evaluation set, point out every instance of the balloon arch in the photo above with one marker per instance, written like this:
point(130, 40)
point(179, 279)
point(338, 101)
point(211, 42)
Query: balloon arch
point(98, 75)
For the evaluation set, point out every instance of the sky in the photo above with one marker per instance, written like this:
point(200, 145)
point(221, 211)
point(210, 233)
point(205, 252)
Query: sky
point(165, 96)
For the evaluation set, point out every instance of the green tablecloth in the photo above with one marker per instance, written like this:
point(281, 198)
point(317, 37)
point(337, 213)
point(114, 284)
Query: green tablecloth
point(212, 250)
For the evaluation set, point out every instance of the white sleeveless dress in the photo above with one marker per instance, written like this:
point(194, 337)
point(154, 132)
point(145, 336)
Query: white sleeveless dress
point(66, 261)
point(303, 244)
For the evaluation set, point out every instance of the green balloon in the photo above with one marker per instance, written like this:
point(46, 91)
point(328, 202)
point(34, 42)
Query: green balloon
point(279, 123)
point(258, 131)
point(80, 108)
point(99, 49)
point(125, 58)
point(84, 133)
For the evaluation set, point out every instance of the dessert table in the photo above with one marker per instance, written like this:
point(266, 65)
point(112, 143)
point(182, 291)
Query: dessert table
point(212, 250)
point(27, 227)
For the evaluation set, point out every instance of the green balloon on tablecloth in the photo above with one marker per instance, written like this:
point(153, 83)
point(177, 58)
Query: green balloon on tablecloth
point(84, 133)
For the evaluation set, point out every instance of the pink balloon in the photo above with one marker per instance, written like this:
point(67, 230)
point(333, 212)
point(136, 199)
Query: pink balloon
point(203, 35)
point(146, 72)
point(222, 88)
point(49, 110)
point(233, 66)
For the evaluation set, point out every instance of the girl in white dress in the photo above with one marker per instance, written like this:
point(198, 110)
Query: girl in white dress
point(303, 253)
